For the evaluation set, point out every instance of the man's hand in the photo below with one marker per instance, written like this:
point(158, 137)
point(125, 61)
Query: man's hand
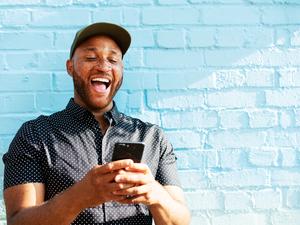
point(145, 189)
point(98, 184)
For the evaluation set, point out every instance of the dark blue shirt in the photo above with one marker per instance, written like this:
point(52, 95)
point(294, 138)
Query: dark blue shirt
point(58, 150)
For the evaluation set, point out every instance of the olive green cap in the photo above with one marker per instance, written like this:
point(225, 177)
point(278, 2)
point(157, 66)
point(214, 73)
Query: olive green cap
point(115, 32)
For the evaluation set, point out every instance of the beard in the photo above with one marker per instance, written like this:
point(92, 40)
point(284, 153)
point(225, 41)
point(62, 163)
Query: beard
point(93, 103)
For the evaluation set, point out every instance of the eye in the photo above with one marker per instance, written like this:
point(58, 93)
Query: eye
point(113, 60)
point(91, 58)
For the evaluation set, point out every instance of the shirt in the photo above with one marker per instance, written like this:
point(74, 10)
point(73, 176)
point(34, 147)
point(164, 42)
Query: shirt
point(58, 150)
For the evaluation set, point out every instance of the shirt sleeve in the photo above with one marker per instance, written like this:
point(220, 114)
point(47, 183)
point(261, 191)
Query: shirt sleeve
point(167, 173)
point(22, 162)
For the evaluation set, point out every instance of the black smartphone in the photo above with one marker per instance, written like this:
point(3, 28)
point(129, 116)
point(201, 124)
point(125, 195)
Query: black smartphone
point(128, 150)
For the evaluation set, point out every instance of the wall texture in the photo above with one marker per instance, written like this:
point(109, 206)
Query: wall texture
point(222, 77)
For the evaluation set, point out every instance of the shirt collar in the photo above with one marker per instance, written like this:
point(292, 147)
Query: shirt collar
point(80, 112)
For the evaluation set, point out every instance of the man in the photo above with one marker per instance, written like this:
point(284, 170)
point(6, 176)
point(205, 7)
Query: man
point(58, 169)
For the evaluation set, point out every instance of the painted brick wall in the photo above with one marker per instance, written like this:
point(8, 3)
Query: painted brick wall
point(222, 78)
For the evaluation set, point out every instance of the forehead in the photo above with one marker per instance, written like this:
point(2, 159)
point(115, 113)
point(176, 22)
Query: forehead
point(100, 42)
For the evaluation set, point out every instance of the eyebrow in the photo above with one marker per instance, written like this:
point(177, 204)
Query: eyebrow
point(94, 49)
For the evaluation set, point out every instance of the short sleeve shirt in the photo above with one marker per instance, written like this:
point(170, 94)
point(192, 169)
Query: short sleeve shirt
point(58, 150)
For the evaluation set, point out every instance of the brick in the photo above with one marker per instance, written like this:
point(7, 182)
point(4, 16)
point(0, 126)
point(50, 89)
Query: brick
point(252, 37)
point(181, 81)
point(28, 81)
point(172, 2)
point(24, 40)
point(164, 37)
point(297, 117)
point(135, 100)
point(21, 61)
point(283, 97)
point(52, 61)
point(131, 17)
point(236, 139)
point(52, 102)
point(286, 119)
point(285, 178)
point(58, 2)
point(60, 18)
point(142, 38)
point(192, 179)
point(236, 200)
point(267, 199)
point(233, 119)
point(260, 78)
point(62, 82)
point(263, 157)
point(11, 124)
point(293, 198)
point(5, 142)
point(283, 138)
point(232, 159)
point(133, 58)
point(289, 77)
point(295, 38)
point(229, 78)
point(121, 100)
point(232, 99)
point(20, 103)
point(204, 200)
point(199, 219)
point(201, 119)
point(174, 58)
point(170, 15)
point(241, 179)
point(222, 15)
point(281, 15)
point(130, 2)
point(289, 157)
point(113, 15)
point(247, 57)
point(20, 2)
point(195, 159)
point(15, 18)
point(63, 40)
point(185, 139)
point(146, 116)
point(290, 217)
point(167, 100)
point(282, 37)
point(235, 219)
point(204, 37)
point(263, 118)
point(139, 81)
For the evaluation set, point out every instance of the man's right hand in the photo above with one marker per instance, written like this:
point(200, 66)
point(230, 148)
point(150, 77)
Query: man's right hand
point(98, 185)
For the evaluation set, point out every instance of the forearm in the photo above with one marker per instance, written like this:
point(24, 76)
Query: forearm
point(62, 209)
point(170, 212)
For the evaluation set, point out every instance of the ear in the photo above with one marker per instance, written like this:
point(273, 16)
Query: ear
point(70, 67)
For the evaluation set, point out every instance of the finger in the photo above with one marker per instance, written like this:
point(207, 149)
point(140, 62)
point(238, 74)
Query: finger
point(138, 167)
point(133, 191)
point(132, 178)
point(116, 165)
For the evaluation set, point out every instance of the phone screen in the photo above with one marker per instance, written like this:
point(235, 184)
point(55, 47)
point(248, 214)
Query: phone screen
point(128, 150)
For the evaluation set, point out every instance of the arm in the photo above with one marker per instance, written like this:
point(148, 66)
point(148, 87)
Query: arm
point(166, 203)
point(25, 203)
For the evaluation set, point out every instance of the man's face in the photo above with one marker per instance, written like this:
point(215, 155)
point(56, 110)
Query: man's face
point(97, 71)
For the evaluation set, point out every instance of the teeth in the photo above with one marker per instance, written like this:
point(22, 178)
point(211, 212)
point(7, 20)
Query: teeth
point(104, 80)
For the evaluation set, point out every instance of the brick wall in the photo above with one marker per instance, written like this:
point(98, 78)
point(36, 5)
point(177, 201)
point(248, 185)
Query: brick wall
point(222, 78)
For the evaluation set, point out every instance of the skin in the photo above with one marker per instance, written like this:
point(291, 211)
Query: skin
point(97, 57)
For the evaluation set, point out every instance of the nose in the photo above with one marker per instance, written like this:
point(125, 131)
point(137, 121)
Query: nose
point(103, 65)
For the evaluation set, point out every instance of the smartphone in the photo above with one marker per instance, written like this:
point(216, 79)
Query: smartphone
point(128, 150)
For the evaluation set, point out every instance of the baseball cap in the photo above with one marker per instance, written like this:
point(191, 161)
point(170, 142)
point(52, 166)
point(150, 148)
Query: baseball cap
point(114, 31)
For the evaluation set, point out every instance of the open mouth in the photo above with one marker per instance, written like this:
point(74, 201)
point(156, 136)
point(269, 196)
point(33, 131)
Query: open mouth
point(100, 84)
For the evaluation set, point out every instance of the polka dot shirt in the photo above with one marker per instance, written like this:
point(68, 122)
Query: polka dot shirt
point(58, 150)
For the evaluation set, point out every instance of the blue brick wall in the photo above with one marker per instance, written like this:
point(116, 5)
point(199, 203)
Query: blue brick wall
point(221, 77)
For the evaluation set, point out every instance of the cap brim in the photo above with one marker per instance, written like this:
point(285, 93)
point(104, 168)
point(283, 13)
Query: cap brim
point(117, 33)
